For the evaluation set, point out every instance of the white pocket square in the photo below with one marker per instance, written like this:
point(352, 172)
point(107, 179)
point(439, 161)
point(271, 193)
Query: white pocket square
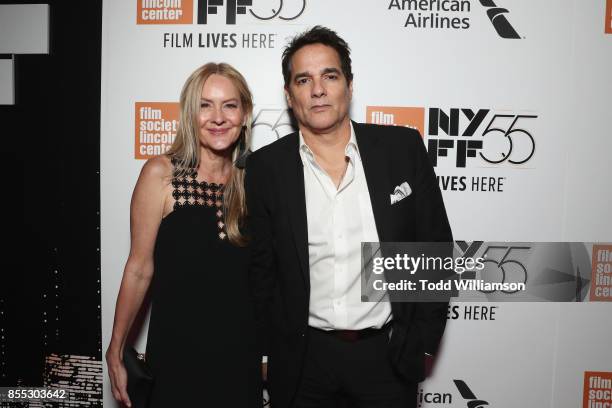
point(400, 192)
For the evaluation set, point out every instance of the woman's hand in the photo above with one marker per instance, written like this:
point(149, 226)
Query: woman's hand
point(264, 371)
point(118, 377)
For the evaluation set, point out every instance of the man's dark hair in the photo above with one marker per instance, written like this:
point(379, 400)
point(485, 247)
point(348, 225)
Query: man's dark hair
point(318, 35)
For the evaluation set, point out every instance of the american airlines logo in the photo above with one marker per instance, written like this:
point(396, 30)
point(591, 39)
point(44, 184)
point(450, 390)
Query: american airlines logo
point(452, 15)
point(467, 394)
point(499, 20)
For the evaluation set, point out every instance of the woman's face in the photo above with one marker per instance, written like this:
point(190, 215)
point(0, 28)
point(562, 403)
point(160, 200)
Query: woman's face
point(221, 114)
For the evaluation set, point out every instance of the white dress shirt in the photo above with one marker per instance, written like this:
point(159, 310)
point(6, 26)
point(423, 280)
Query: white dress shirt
point(339, 219)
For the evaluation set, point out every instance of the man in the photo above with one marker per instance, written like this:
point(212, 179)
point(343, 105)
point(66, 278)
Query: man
point(313, 197)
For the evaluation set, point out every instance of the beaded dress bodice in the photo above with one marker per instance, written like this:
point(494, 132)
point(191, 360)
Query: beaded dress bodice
point(189, 192)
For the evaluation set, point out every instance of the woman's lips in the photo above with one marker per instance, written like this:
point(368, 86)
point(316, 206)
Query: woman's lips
point(218, 132)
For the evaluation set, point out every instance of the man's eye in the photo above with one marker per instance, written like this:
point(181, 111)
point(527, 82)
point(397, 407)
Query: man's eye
point(332, 76)
point(301, 81)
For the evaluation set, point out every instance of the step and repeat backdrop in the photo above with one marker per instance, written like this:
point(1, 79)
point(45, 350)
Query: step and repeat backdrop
point(512, 98)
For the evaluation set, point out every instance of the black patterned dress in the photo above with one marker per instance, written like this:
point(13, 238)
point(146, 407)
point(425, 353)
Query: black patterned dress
point(201, 345)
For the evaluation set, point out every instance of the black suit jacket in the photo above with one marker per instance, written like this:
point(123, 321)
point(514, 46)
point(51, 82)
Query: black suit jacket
point(280, 267)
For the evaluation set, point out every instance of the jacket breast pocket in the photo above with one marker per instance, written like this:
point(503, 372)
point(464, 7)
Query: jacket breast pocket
point(404, 202)
point(402, 214)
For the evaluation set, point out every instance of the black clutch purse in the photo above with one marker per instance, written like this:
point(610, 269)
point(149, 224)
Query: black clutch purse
point(140, 379)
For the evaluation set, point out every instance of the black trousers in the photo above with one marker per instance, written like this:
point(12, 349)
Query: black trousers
point(351, 374)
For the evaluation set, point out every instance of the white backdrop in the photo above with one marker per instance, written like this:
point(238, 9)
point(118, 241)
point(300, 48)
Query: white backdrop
point(554, 80)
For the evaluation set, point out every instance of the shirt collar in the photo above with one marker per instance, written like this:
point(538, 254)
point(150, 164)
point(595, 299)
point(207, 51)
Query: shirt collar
point(351, 149)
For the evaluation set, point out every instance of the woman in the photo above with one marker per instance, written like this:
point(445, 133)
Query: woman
point(186, 217)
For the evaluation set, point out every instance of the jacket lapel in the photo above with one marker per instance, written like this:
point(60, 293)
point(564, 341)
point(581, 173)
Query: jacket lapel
point(377, 172)
point(378, 176)
point(293, 175)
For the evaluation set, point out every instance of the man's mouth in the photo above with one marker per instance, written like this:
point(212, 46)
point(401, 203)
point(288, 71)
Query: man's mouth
point(319, 107)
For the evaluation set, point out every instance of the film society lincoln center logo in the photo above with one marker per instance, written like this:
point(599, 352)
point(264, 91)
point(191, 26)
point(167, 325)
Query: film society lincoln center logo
point(156, 126)
point(608, 28)
point(597, 390)
point(601, 281)
point(205, 11)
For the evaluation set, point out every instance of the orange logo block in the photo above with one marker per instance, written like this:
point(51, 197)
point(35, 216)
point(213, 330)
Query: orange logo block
point(156, 125)
point(608, 28)
point(164, 12)
point(601, 279)
point(397, 116)
point(597, 389)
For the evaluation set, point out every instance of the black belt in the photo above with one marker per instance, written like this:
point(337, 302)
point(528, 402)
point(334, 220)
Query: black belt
point(354, 335)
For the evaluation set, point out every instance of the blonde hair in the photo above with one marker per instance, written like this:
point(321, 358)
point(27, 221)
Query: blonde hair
point(186, 147)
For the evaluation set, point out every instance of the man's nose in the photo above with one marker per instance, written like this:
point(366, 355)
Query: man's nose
point(318, 88)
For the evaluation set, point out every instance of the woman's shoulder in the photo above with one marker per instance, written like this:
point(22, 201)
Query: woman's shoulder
point(159, 167)
point(152, 185)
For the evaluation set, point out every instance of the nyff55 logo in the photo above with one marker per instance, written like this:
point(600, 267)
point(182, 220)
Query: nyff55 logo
point(490, 138)
point(181, 11)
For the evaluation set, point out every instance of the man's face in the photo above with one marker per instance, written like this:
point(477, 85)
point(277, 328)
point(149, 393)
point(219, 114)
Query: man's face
point(318, 92)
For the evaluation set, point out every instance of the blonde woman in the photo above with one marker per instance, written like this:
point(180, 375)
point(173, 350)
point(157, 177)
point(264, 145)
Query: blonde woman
point(188, 244)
